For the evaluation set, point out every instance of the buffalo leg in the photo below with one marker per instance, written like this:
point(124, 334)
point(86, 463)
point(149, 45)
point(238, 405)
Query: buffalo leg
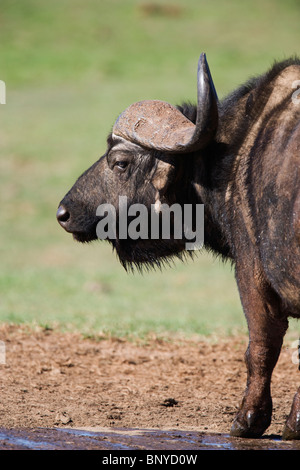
point(266, 331)
point(292, 427)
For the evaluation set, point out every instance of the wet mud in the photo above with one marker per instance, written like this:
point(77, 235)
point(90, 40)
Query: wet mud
point(133, 439)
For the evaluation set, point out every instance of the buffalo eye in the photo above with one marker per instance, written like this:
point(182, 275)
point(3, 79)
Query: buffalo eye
point(121, 165)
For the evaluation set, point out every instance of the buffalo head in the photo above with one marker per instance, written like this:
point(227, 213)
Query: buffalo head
point(148, 159)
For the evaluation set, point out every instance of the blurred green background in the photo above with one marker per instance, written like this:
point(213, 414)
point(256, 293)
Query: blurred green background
point(70, 67)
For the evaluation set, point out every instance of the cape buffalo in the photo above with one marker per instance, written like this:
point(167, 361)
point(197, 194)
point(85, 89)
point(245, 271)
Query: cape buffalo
point(240, 157)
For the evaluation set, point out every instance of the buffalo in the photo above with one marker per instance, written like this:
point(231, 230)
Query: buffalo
point(240, 158)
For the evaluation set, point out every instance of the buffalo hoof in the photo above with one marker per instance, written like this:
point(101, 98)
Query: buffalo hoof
point(292, 427)
point(253, 425)
point(289, 434)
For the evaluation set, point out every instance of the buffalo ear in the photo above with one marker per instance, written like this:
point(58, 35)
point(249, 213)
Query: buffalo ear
point(162, 175)
point(161, 180)
point(158, 125)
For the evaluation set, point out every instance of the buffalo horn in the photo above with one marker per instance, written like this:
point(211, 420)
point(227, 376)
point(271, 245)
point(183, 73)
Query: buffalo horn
point(158, 125)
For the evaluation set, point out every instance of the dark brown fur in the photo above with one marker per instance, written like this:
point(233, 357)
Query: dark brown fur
point(248, 178)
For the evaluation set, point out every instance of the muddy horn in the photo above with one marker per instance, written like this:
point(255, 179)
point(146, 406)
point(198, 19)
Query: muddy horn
point(158, 125)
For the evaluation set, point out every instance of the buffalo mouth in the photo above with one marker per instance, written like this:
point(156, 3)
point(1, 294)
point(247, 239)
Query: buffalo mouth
point(83, 231)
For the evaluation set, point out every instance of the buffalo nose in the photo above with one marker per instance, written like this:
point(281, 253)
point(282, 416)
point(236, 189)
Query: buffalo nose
point(62, 215)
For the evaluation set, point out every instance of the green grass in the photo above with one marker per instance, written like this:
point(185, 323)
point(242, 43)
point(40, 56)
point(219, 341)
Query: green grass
point(70, 68)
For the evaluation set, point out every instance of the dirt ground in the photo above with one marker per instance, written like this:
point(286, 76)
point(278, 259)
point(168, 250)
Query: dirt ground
point(52, 379)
